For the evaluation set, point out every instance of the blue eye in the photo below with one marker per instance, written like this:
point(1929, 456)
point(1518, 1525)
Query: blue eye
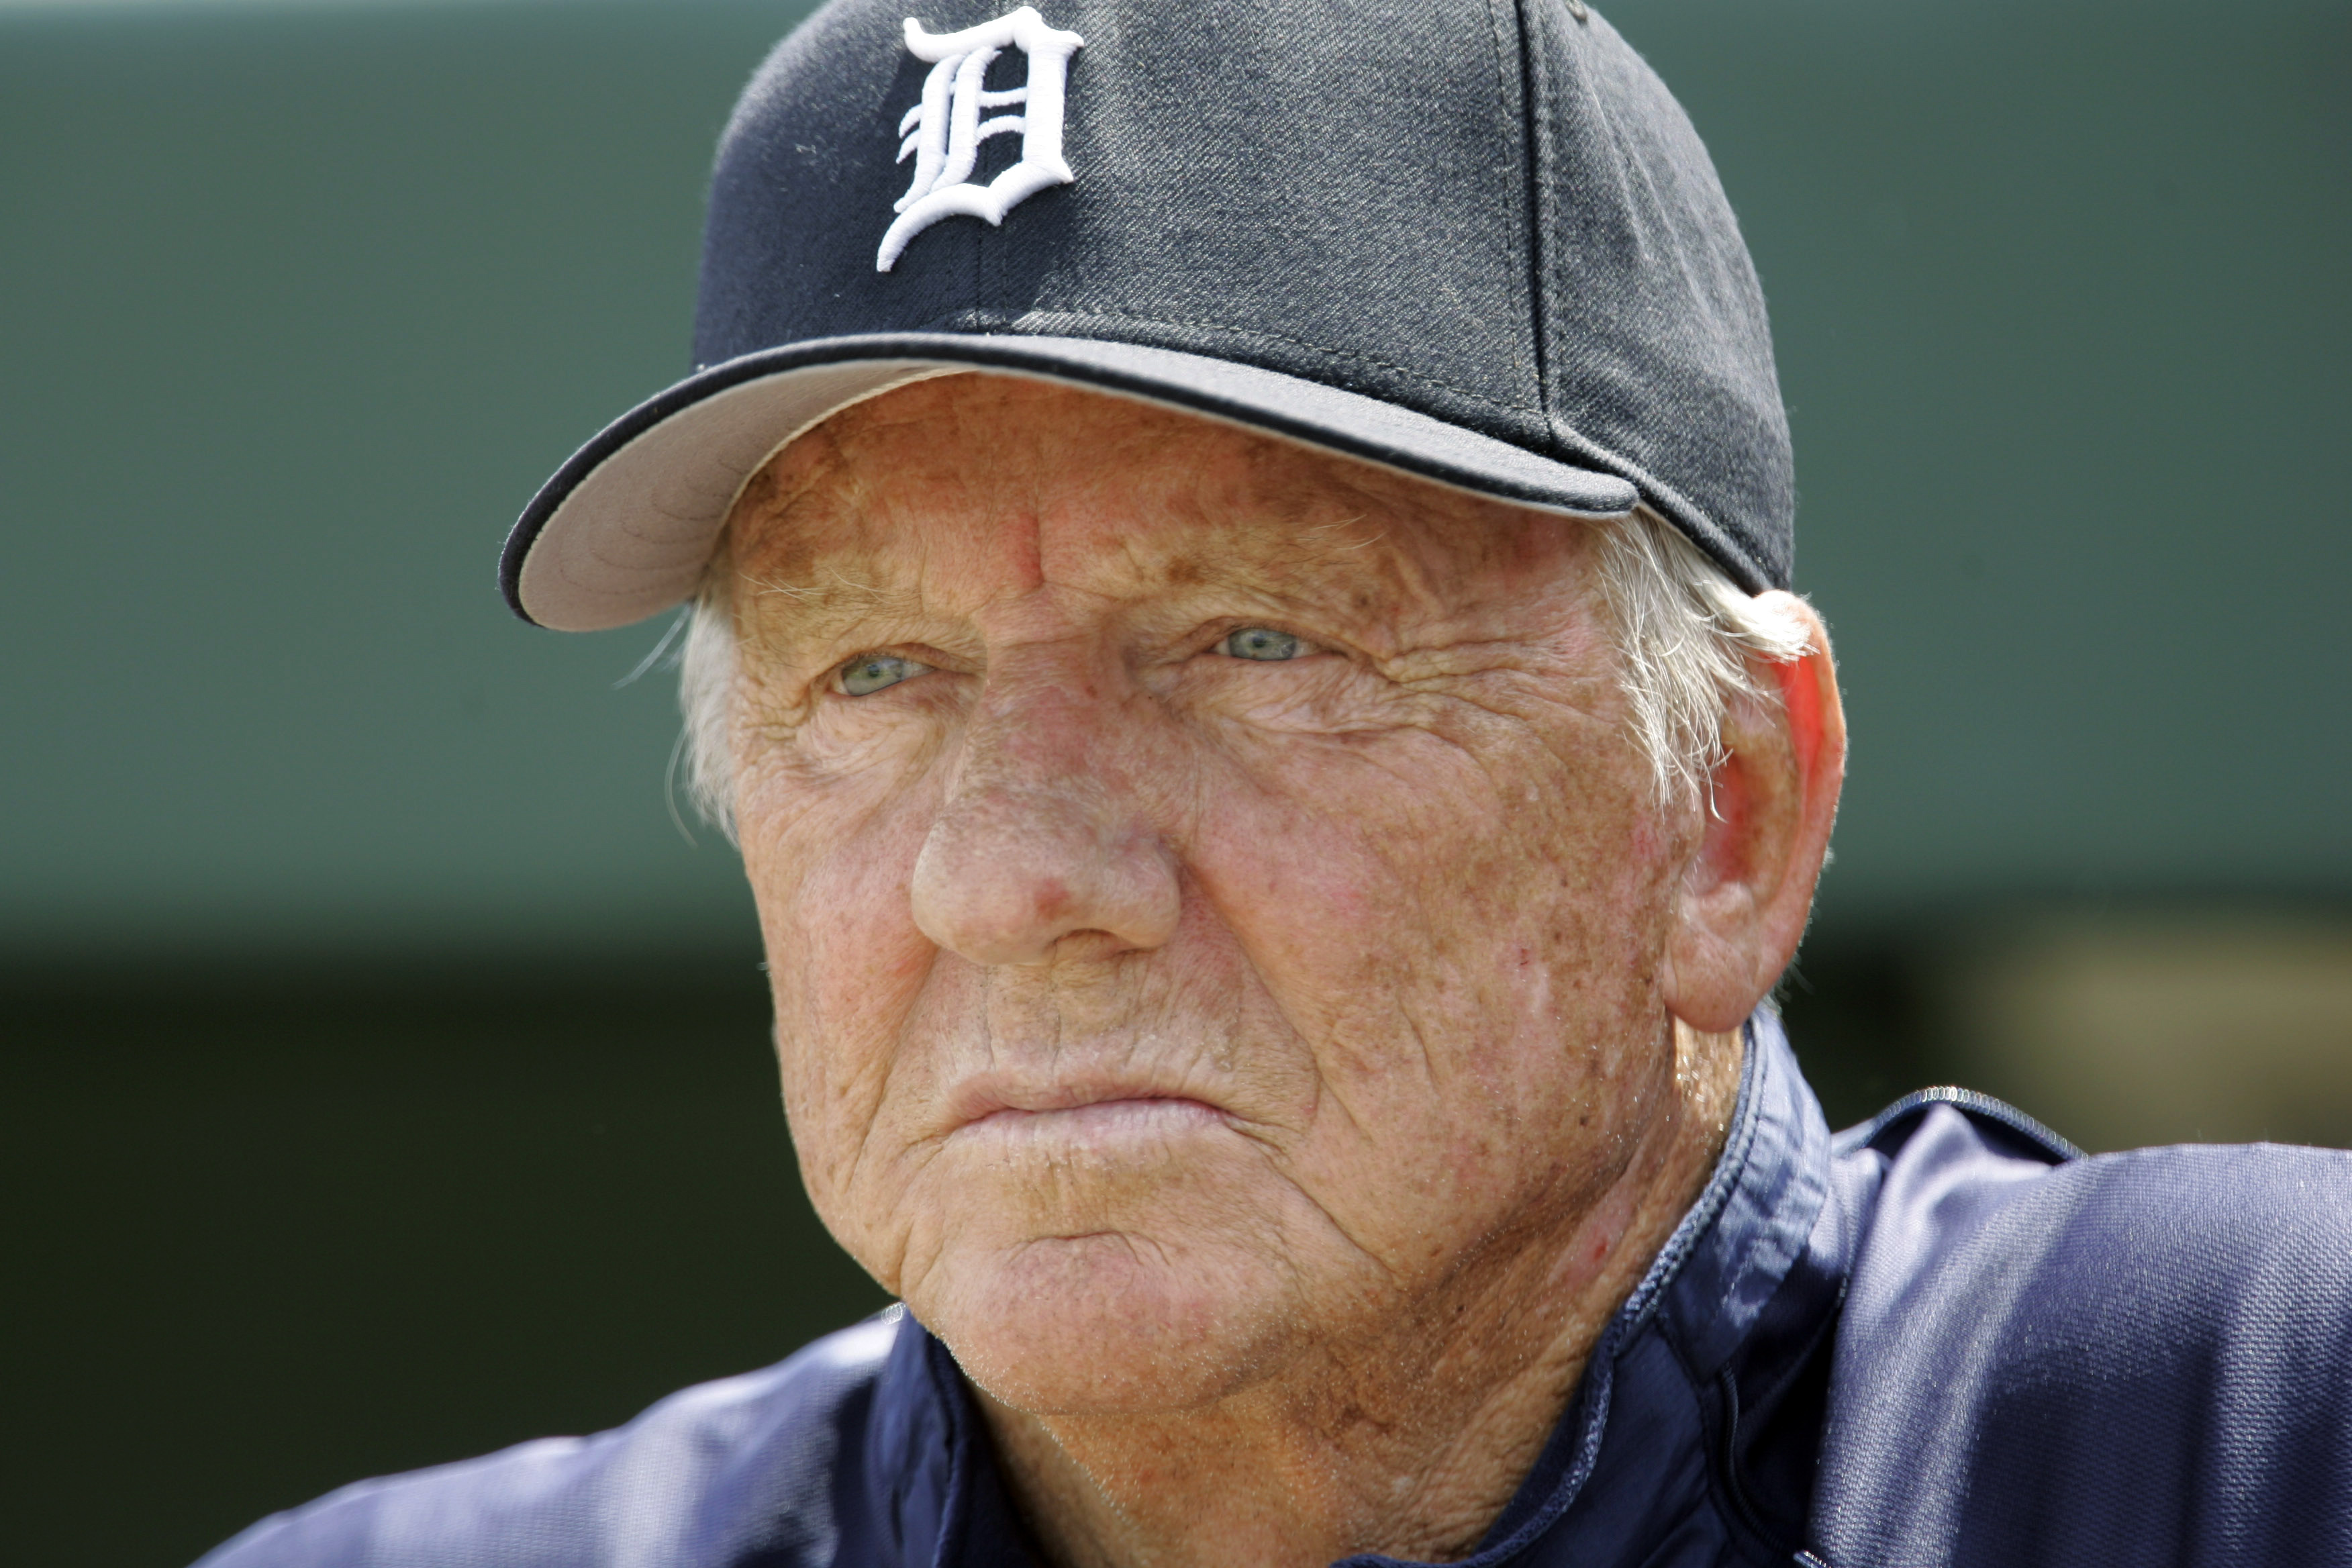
point(1263, 643)
point(864, 675)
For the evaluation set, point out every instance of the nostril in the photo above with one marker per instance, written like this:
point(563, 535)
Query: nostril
point(1081, 947)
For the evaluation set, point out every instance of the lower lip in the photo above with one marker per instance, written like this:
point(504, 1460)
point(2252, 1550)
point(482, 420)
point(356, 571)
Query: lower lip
point(1104, 1122)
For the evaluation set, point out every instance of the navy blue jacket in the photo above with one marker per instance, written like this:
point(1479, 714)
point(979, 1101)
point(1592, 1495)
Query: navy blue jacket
point(1939, 1338)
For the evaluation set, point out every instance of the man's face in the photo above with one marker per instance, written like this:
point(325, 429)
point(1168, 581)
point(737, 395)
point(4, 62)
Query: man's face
point(1213, 902)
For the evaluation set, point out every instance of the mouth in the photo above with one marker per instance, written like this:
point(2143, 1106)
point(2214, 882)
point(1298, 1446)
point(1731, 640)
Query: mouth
point(1086, 1113)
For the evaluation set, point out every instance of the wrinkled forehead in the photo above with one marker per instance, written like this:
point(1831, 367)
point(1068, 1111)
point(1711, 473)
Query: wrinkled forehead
point(980, 473)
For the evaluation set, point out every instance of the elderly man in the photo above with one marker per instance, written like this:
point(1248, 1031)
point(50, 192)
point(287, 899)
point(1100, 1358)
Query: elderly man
point(1237, 561)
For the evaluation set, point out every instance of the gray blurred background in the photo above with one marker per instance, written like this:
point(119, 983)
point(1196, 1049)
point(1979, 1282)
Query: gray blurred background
point(381, 1068)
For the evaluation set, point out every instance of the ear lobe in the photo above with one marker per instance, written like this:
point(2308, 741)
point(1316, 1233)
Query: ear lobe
point(1748, 889)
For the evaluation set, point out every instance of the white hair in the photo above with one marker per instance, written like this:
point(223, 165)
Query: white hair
point(1688, 642)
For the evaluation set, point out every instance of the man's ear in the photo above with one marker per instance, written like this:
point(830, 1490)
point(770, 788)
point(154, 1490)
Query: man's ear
point(1744, 898)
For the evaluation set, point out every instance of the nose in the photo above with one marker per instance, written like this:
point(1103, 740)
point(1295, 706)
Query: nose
point(1044, 836)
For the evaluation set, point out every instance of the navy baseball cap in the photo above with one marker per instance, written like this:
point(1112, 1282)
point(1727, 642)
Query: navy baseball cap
point(1475, 240)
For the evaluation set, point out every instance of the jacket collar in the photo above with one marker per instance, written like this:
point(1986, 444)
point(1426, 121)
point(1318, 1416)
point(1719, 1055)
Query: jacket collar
point(1694, 1411)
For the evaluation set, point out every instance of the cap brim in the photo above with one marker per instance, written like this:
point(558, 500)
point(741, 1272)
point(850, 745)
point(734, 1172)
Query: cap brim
point(625, 528)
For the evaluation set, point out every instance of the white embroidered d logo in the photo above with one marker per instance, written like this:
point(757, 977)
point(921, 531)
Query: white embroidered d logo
point(944, 131)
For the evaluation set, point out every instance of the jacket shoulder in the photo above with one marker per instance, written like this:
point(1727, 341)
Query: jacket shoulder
point(2135, 1357)
point(722, 1473)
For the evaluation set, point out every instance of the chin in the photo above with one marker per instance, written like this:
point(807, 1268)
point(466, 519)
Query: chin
point(1109, 1323)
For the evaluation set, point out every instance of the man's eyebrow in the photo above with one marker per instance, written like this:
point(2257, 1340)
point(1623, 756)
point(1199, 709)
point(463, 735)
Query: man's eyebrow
point(1339, 536)
point(827, 608)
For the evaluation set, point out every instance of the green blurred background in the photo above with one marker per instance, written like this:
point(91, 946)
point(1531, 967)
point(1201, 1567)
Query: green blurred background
point(382, 1069)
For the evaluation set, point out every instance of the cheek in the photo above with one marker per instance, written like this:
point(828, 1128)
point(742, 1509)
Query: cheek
point(845, 966)
point(1468, 928)
point(1492, 851)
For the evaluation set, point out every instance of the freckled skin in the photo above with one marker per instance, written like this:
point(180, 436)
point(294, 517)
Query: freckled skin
point(1427, 1004)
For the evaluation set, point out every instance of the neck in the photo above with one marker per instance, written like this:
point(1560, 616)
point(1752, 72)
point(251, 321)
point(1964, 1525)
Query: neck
point(1409, 1442)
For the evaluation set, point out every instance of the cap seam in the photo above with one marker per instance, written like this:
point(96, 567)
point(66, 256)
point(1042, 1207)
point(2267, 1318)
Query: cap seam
point(1514, 282)
point(1541, 183)
point(1531, 189)
point(1722, 544)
